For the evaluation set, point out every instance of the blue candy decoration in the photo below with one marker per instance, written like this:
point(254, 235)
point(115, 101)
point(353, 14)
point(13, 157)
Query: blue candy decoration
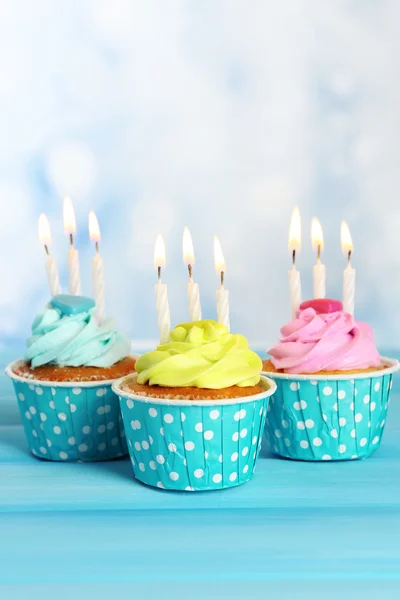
point(324, 418)
point(70, 422)
point(72, 305)
point(193, 446)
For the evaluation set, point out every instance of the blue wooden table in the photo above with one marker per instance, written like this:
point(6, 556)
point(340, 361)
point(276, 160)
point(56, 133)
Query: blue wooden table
point(297, 530)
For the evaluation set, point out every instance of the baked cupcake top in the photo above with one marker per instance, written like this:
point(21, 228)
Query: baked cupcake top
point(202, 354)
point(324, 338)
point(67, 333)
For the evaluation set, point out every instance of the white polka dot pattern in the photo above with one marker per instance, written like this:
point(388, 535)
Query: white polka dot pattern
point(202, 447)
point(71, 423)
point(328, 419)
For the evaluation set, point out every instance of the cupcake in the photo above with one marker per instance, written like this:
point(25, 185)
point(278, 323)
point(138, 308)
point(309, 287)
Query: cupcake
point(195, 411)
point(333, 387)
point(63, 384)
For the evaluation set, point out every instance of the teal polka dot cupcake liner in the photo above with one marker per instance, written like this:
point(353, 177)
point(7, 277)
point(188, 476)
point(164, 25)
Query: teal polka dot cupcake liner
point(194, 446)
point(329, 417)
point(66, 421)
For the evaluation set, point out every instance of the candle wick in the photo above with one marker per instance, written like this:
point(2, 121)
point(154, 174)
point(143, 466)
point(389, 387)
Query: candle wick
point(71, 240)
point(159, 273)
point(47, 249)
point(294, 258)
point(222, 279)
point(349, 258)
point(319, 253)
point(190, 272)
point(97, 247)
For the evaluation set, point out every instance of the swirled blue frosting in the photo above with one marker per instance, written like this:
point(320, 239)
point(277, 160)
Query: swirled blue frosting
point(74, 340)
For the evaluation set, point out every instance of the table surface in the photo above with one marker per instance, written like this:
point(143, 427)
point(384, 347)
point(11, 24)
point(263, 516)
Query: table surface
point(298, 529)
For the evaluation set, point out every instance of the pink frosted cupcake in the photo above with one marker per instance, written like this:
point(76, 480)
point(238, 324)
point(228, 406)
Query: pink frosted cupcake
point(333, 386)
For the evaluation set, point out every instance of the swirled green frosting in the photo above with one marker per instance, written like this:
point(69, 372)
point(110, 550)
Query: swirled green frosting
point(201, 354)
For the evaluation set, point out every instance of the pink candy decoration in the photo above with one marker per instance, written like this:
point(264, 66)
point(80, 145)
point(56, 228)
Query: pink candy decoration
point(323, 306)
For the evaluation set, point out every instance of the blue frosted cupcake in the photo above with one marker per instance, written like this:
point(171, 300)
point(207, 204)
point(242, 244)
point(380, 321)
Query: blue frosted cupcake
point(195, 412)
point(63, 384)
point(333, 387)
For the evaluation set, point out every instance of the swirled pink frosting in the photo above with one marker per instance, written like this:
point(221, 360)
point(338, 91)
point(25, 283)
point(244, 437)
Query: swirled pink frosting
point(324, 342)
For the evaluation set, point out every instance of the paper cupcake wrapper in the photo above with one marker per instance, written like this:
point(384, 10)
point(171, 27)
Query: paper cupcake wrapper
point(70, 421)
point(194, 446)
point(327, 417)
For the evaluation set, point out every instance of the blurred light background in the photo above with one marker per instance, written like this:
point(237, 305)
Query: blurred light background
point(217, 115)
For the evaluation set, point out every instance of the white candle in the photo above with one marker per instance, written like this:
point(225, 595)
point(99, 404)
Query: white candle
point(194, 301)
point(294, 245)
point(51, 265)
point(98, 285)
point(97, 267)
point(222, 293)
point(74, 286)
point(52, 276)
point(349, 274)
point(163, 313)
point(349, 284)
point(319, 271)
point(192, 288)
point(162, 304)
point(223, 307)
point(295, 289)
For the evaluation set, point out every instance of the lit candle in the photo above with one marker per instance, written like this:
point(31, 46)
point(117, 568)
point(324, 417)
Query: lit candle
point(349, 274)
point(51, 265)
point(97, 267)
point(74, 287)
point(294, 246)
point(222, 293)
point(319, 271)
point(193, 288)
point(162, 305)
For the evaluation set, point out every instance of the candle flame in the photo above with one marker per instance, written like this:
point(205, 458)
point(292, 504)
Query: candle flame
point(159, 252)
point(44, 230)
point(345, 238)
point(294, 243)
point(69, 216)
point(219, 259)
point(94, 229)
point(187, 245)
point(317, 236)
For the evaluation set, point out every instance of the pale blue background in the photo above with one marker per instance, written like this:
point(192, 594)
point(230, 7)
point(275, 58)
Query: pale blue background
point(219, 115)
